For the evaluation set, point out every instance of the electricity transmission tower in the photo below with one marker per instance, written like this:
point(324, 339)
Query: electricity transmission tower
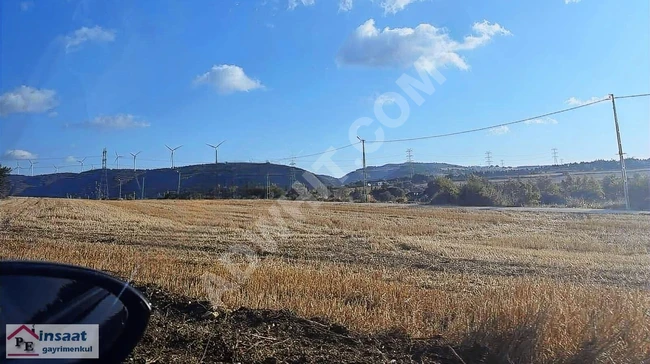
point(409, 161)
point(554, 150)
point(292, 177)
point(488, 158)
point(103, 185)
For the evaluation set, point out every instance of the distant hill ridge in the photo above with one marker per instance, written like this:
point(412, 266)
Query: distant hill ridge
point(205, 177)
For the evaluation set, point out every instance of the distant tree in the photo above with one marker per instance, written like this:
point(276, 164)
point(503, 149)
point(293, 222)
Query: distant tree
point(612, 187)
point(639, 192)
point(550, 192)
point(420, 178)
point(4, 181)
point(478, 191)
point(298, 192)
point(442, 190)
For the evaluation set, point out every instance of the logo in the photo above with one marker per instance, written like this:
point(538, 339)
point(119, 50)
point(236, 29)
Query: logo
point(52, 341)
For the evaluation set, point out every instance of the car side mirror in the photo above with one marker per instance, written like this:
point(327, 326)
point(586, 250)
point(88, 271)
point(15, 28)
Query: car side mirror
point(71, 313)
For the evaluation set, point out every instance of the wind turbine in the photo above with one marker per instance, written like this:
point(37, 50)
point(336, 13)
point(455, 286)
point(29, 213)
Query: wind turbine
point(117, 160)
point(18, 166)
point(56, 169)
point(172, 150)
point(31, 166)
point(135, 155)
point(216, 151)
point(82, 163)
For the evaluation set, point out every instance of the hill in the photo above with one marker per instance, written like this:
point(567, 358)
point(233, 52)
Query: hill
point(396, 171)
point(403, 170)
point(196, 178)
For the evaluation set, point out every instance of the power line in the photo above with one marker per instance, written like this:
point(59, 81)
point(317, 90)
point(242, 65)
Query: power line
point(489, 127)
point(631, 96)
point(316, 154)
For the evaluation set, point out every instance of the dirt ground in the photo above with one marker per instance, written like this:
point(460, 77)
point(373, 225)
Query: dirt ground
point(183, 330)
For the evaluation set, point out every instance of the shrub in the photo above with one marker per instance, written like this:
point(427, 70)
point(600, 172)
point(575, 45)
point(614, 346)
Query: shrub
point(477, 192)
point(442, 190)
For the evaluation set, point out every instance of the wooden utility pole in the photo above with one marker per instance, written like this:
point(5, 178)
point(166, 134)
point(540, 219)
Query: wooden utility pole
point(621, 154)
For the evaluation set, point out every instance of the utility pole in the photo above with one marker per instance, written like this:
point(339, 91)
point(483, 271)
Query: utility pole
point(178, 190)
point(268, 186)
point(554, 150)
point(502, 164)
point(409, 161)
point(488, 158)
point(561, 161)
point(621, 154)
point(365, 184)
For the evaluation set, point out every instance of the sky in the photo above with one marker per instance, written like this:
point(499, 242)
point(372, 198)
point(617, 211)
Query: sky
point(283, 79)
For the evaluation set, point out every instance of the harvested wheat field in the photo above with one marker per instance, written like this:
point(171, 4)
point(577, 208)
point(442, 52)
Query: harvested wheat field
point(489, 286)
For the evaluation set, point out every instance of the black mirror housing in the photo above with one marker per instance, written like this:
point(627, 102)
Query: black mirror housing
point(35, 294)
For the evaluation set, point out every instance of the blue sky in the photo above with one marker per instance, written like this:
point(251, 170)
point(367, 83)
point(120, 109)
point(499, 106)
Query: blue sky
point(278, 79)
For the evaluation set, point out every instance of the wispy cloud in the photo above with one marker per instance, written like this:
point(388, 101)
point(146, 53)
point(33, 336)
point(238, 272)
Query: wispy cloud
point(572, 101)
point(27, 100)
point(500, 130)
point(113, 122)
point(424, 46)
point(97, 34)
point(294, 3)
point(19, 154)
point(345, 5)
point(228, 79)
point(70, 159)
point(571, 1)
point(395, 6)
point(541, 121)
point(26, 5)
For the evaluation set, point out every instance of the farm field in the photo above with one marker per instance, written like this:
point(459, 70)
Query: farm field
point(528, 286)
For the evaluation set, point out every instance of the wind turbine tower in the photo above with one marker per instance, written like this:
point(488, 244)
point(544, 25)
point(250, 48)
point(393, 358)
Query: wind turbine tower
point(134, 156)
point(172, 150)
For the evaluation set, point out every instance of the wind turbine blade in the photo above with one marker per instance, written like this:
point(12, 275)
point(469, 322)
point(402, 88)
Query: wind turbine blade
point(220, 143)
point(178, 147)
point(210, 145)
point(168, 147)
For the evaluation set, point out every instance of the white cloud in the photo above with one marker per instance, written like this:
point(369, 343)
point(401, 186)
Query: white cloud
point(345, 5)
point(228, 79)
point(114, 122)
point(571, 1)
point(572, 101)
point(70, 159)
point(82, 35)
point(394, 6)
point(541, 121)
point(19, 154)
point(53, 114)
point(425, 46)
point(385, 99)
point(499, 130)
point(26, 5)
point(28, 100)
point(294, 3)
